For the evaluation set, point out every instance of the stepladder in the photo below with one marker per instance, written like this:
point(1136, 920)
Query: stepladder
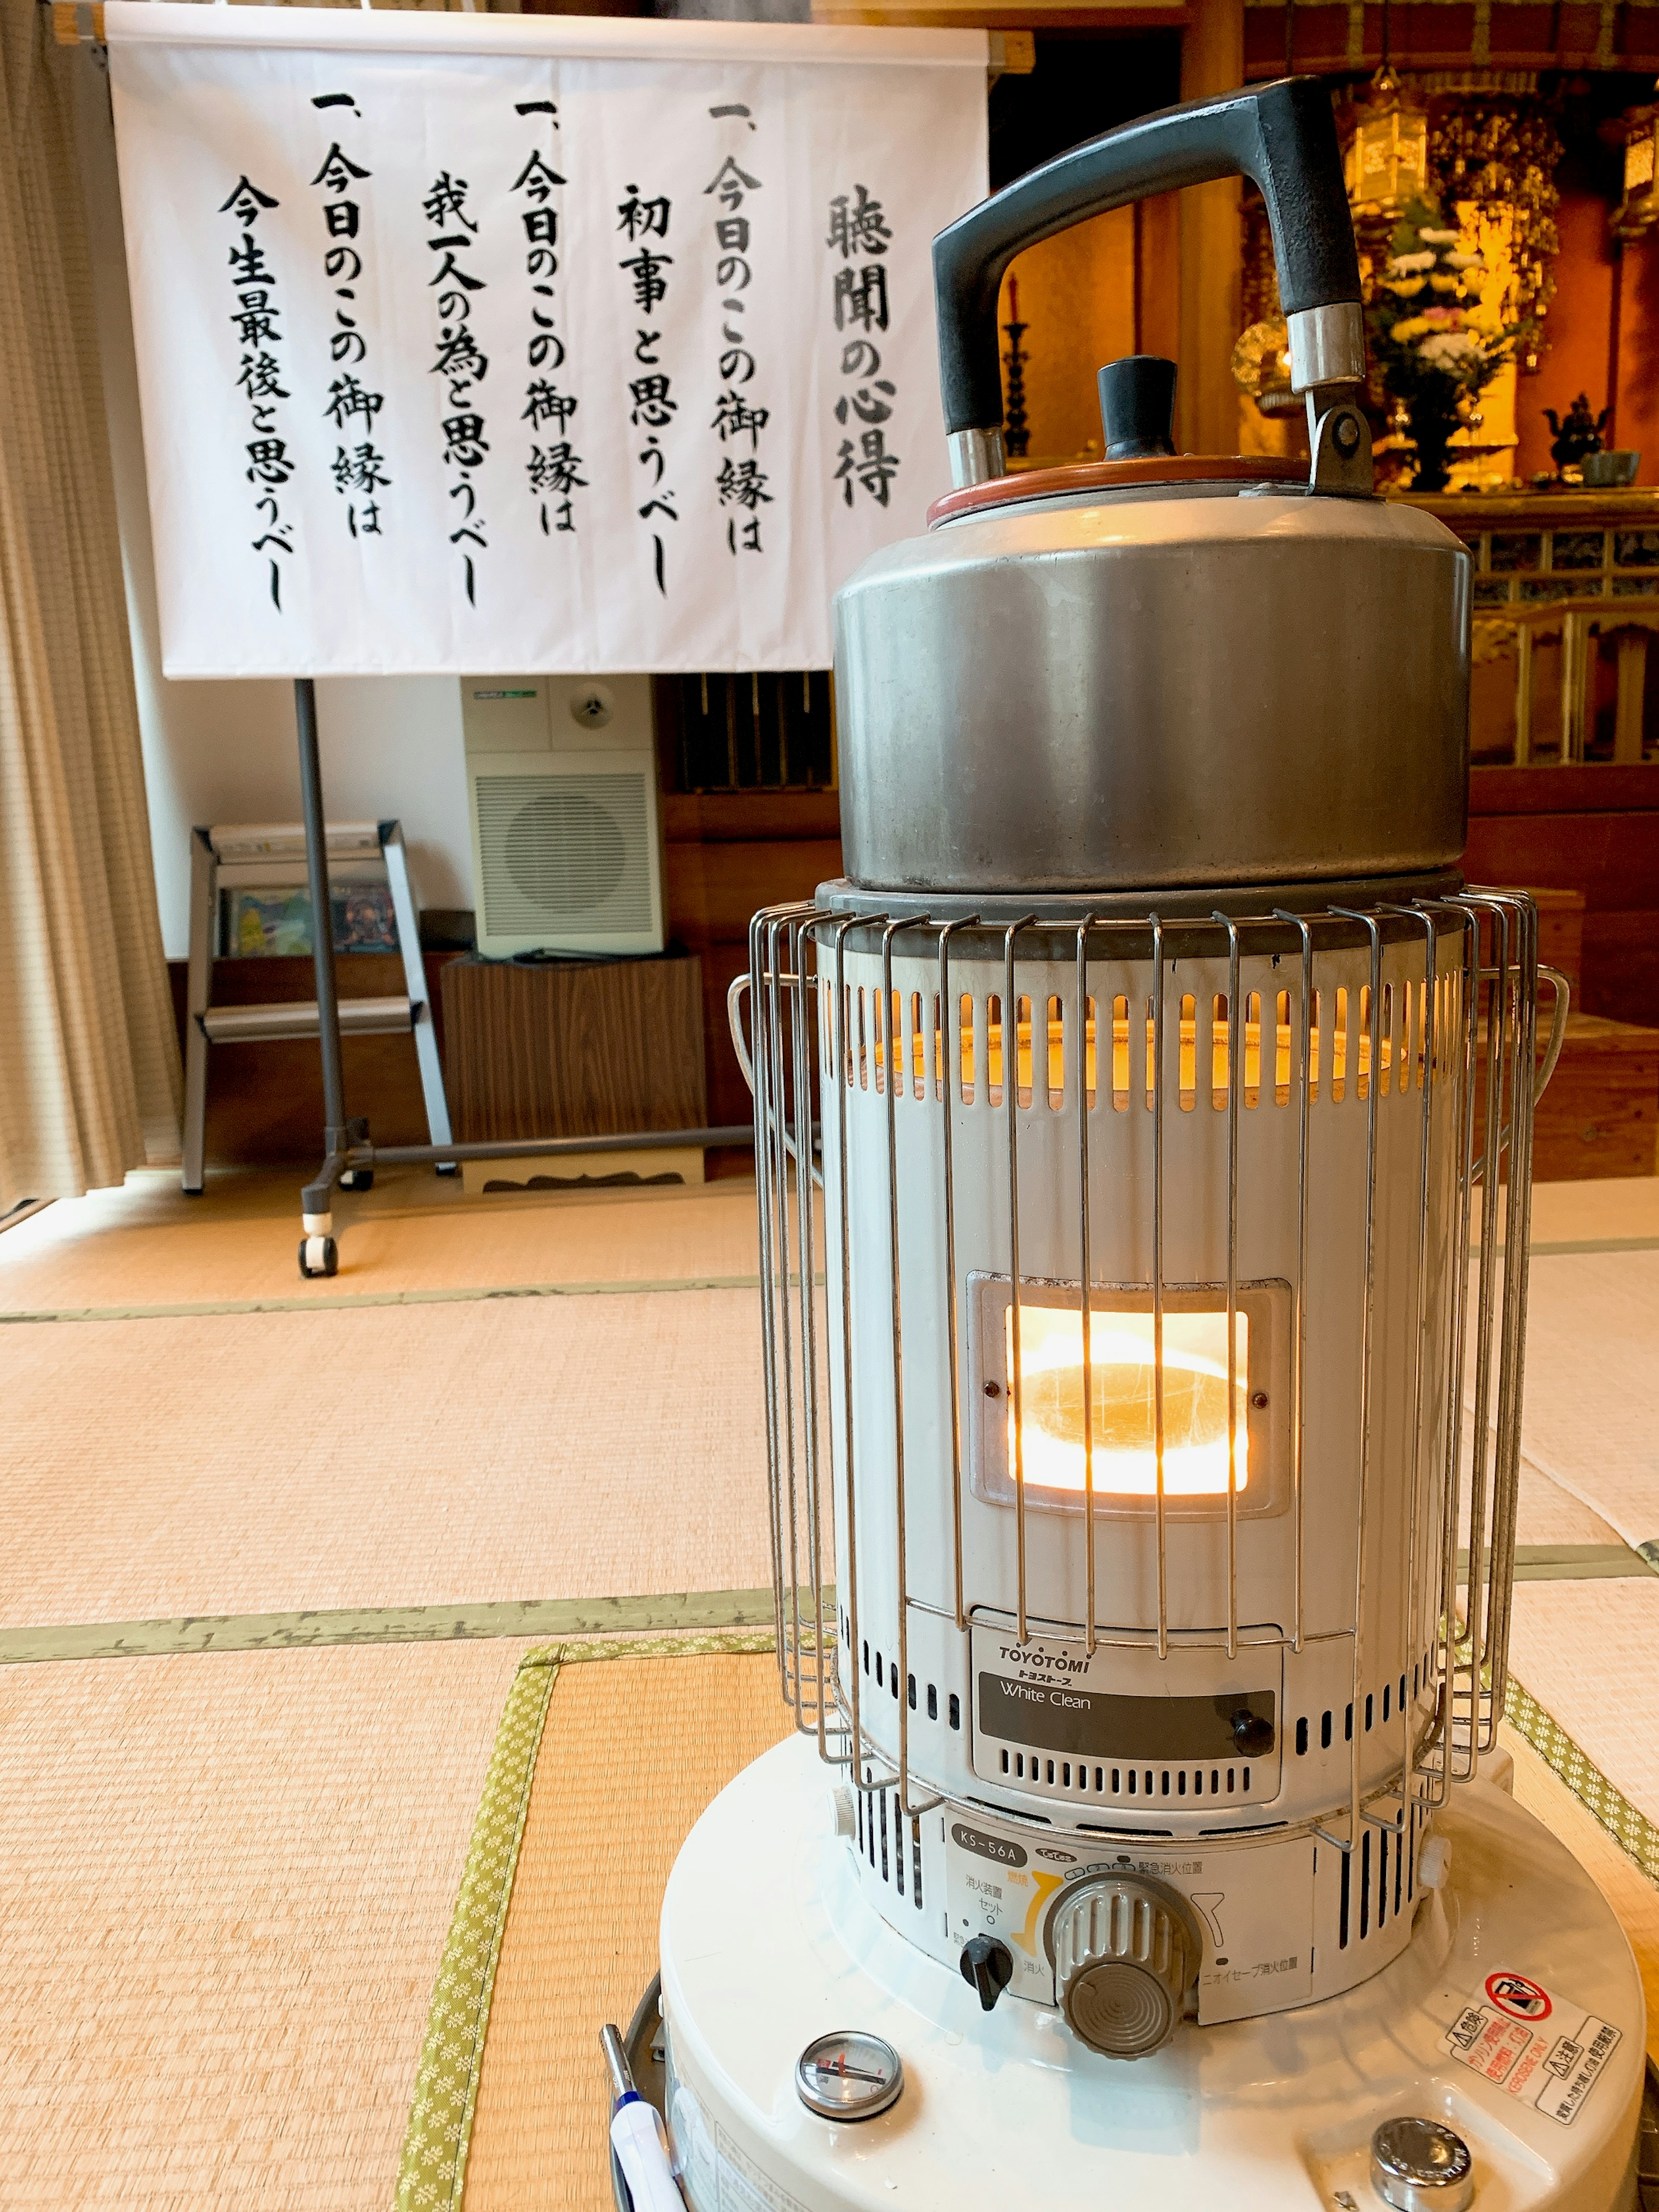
point(266, 858)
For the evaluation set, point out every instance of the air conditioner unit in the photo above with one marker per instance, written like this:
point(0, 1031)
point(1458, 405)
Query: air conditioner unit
point(562, 784)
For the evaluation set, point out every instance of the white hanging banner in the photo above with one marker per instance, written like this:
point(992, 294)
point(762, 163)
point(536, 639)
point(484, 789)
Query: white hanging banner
point(530, 341)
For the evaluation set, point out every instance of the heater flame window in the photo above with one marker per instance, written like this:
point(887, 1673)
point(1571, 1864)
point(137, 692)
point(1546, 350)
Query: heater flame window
point(1200, 1444)
point(1123, 1400)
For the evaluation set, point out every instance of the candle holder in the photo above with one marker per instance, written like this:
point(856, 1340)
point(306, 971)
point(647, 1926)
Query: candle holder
point(1017, 433)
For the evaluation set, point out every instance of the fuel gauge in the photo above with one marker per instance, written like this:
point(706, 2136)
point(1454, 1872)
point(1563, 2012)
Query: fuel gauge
point(848, 2075)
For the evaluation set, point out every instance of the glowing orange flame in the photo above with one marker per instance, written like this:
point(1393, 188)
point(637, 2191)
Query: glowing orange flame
point(1122, 1376)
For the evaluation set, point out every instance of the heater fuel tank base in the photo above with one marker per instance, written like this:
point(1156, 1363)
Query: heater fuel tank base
point(1514, 2018)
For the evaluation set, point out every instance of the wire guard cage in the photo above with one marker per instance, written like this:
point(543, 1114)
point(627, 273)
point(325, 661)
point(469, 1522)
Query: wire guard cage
point(1316, 1125)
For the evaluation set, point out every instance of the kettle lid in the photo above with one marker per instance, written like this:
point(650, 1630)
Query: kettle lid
point(1137, 418)
point(1105, 477)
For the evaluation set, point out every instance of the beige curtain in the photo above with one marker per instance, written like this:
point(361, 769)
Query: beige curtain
point(89, 1058)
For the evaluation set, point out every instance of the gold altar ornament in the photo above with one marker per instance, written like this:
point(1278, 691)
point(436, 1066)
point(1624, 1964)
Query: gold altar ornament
point(1638, 211)
point(1262, 367)
point(1387, 156)
point(1494, 157)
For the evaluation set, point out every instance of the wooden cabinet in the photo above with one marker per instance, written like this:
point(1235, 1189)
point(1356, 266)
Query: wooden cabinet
point(725, 855)
point(1600, 1114)
point(574, 1049)
point(1565, 609)
point(1590, 829)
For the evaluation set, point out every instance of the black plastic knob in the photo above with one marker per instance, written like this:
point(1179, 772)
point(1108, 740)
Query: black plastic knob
point(1253, 1733)
point(1137, 406)
point(989, 1965)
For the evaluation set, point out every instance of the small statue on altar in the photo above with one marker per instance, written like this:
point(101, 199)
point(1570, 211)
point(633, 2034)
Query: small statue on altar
point(1578, 436)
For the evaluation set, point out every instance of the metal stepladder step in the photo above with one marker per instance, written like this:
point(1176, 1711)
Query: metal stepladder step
point(273, 858)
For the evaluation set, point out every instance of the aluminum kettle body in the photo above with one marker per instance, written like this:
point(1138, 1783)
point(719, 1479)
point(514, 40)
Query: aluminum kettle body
point(1184, 685)
point(1158, 672)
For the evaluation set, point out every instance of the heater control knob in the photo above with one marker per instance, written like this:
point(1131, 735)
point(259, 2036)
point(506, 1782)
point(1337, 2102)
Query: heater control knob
point(1125, 1950)
point(1253, 1733)
point(989, 1965)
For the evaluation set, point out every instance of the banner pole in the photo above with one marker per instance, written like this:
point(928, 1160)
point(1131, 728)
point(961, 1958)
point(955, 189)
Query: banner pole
point(318, 1199)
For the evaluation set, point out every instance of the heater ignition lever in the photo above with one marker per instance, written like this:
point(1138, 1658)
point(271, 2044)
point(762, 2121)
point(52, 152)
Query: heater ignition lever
point(989, 1965)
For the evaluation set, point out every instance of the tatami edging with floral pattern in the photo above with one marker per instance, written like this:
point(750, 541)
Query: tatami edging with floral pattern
point(432, 2172)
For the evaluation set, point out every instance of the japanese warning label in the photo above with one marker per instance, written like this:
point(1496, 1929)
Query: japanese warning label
point(1534, 2045)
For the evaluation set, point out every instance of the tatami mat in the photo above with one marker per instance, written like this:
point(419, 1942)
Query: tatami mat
point(1592, 1367)
point(147, 1244)
point(1545, 1512)
point(405, 1456)
point(1593, 1358)
point(1613, 1210)
point(1588, 1652)
point(225, 1884)
point(225, 1880)
point(632, 1752)
point(398, 1456)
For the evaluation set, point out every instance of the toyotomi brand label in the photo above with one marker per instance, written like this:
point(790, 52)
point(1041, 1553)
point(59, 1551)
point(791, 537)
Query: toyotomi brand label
point(1537, 2047)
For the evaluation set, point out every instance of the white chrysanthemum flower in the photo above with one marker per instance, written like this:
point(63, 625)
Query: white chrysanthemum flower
point(1465, 260)
point(1407, 265)
point(1438, 237)
point(1455, 351)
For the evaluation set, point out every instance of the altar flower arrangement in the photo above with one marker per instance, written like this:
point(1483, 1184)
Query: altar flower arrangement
point(1437, 358)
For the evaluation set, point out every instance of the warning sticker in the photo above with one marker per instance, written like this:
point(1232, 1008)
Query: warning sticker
point(1539, 2047)
point(1519, 1995)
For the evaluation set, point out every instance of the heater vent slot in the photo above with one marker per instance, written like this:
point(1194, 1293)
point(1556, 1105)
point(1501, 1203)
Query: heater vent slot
point(888, 1843)
point(1376, 1882)
point(934, 1049)
point(1100, 1782)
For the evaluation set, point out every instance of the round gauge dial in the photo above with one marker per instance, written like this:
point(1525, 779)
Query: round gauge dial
point(848, 2075)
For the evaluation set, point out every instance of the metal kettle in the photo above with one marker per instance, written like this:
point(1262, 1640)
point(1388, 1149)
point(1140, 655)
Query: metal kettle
point(1158, 672)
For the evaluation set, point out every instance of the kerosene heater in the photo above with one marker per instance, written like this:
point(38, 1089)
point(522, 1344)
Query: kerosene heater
point(1144, 1136)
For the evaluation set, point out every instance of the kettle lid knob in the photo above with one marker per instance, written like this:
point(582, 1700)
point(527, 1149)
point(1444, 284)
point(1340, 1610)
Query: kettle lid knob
point(1137, 406)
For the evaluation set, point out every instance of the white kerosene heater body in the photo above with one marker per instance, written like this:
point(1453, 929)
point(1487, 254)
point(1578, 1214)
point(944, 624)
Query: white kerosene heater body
point(1143, 1133)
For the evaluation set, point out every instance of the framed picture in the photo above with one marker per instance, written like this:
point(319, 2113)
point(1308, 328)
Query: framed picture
point(256, 924)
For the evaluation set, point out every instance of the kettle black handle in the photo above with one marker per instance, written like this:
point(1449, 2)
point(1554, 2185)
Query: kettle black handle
point(1282, 135)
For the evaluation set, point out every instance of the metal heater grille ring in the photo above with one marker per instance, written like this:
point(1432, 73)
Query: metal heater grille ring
point(869, 1028)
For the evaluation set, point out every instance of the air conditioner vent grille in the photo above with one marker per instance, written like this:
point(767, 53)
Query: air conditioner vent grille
point(564, 850)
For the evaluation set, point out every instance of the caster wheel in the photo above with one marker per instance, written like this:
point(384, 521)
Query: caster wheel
point(318, 1255)
point(357, 1179)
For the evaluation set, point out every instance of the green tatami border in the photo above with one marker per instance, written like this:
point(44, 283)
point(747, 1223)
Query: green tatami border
point(463, 1622)
point(432, 2170)
point(1630, 1828)
point(348, 1301)
point(410, 1624)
